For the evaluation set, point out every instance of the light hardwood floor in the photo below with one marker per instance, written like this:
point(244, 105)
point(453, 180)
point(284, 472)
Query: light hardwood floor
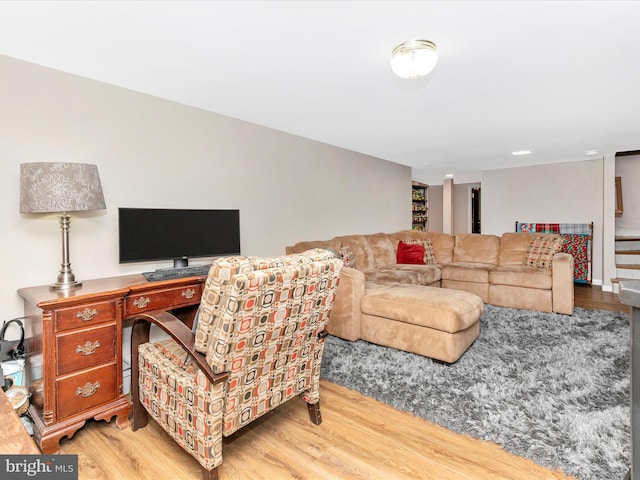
point(359, 438)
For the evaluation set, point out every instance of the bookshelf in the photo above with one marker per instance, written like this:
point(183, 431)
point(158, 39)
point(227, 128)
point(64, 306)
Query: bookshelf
point(419, 205)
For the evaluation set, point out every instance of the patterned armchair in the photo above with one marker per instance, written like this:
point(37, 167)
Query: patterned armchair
point(258, 342)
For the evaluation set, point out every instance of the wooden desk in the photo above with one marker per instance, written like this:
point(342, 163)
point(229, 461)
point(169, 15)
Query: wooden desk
point(74, 346)
point(14, 438)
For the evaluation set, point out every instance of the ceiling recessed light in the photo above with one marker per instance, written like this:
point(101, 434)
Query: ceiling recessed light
point(521, 152)
point(591, 152)
point(449, 175)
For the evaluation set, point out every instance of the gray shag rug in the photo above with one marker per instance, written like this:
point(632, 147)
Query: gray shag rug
point(548, 387)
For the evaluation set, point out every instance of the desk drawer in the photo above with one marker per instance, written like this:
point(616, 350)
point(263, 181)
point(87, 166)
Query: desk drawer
point(163, 299)
point(86, 348)
point(80, 392)
point(86, 315)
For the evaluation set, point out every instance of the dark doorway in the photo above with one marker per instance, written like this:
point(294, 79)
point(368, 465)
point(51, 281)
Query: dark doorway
point(475, 210)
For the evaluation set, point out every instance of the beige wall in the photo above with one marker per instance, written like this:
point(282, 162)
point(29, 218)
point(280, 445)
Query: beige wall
point(155, 153)
point(448, 206)
point(435, 208)
point(461, 207)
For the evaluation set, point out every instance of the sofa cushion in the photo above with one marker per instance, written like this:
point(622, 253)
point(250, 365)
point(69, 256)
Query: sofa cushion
point(521, 297)
point(476, 248)
point(541, 250)
point(324, 244)
point(520, 276)
point(384, 250)
point(410, 253)
point(429, 253)
point(365, 259)
point(411, 274)
point(467, 272)
point(480, 289)
point(513, 248)
point(442, 243)
point(446, 310)
point(429, 257)
point(346, 254)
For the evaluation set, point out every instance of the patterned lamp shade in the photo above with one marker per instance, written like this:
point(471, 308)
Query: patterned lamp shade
point(49, 187)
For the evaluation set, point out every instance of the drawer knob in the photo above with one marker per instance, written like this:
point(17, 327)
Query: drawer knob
point(88, 390)
point(86, 314)
point(141, 302)
point(188, 293)
point(88, 348)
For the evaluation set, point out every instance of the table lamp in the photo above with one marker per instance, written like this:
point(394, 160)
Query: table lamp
point(56, 187)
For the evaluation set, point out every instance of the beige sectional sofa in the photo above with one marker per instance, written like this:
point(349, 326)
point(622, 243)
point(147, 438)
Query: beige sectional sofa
point(488, 266)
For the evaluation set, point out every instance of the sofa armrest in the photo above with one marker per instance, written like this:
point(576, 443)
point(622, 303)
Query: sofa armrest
point(344, 321)
point(562, 283)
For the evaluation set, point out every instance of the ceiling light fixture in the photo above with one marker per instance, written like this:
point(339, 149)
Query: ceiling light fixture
point(521, 152)
point(414, 59)
point(591, 152)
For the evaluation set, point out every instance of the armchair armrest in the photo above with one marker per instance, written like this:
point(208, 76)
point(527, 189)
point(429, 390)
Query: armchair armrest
point(562, 283)
point(344, 321)
point(179, 332)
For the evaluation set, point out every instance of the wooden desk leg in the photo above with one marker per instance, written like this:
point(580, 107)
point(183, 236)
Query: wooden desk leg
point(121, 411)
point(48, 438)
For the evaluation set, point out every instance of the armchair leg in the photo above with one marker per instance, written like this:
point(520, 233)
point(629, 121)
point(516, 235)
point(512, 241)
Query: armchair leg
point(139, 415)
point(210, 474)
point(314, 413)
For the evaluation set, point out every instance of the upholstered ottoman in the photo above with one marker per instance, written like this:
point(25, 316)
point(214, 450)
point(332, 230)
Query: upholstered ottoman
point(434, 322)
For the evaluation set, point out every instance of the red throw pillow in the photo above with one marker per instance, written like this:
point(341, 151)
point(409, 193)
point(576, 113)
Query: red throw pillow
point(410, 253)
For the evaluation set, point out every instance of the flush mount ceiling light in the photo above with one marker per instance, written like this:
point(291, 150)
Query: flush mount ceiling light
point(414, 58)
point(521, 152)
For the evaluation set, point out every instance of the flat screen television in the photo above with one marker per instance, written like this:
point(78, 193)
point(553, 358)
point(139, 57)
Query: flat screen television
point(148, 234)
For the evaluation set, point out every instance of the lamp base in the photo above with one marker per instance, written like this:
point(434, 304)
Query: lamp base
point(66, 278)
point(65, 286)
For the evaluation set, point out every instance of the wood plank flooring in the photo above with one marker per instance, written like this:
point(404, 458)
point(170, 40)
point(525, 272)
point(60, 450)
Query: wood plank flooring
point(587, 296)
point(359, 438)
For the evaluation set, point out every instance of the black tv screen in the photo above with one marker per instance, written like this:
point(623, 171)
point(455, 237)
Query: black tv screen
point(147, 234)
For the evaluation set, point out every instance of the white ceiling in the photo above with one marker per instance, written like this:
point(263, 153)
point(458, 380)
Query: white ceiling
point(554, 77)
